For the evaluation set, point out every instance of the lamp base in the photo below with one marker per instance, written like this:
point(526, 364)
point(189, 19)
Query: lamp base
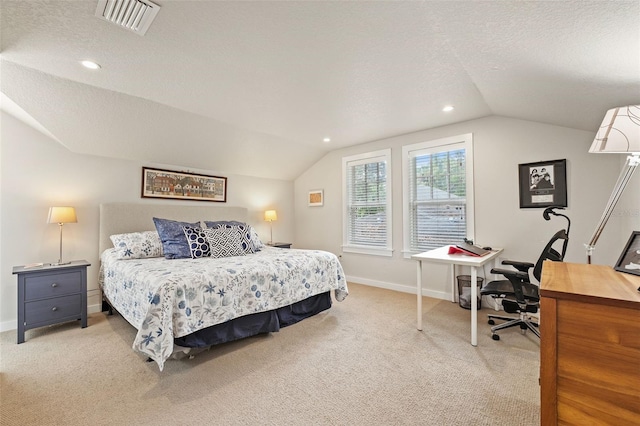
point(61, 263)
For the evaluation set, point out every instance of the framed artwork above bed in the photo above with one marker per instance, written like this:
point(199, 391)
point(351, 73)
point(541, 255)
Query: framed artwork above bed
point(159, 183)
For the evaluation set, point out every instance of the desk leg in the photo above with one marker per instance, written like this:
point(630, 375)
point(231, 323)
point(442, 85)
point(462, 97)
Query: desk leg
point(454, 288)
point(474, 306)
point(419, 294)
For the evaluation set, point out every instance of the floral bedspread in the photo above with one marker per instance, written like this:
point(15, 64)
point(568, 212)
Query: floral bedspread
point(164, 298)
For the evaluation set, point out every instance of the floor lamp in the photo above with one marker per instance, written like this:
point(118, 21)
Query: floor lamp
point(618, 134)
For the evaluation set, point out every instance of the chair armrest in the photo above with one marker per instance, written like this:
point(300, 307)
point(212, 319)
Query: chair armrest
point(510, 273)
point(520, 266)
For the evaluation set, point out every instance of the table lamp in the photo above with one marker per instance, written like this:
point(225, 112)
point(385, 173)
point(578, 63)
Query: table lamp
point(270, 216)
point(618, 134)
point(62, 215)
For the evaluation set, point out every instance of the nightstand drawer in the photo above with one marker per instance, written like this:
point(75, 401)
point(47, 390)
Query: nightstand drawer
point(52, 285)
point(53, 310)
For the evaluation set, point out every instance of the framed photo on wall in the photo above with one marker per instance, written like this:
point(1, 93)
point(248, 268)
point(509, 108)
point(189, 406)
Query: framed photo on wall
point(158, 183)
point(629, 261)
point(316, 198)
point(543, 184)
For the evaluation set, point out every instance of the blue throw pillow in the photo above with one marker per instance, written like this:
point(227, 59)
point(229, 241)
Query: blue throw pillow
point(174, 242)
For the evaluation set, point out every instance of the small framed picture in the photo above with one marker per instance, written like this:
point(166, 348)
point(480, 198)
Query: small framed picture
point(629, 261)
point(543, 184)
point(316, 198)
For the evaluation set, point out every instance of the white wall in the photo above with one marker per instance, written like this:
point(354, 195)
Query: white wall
point(500, 144)
point(37, 172)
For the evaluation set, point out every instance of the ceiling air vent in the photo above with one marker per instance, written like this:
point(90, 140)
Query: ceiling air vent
point(132, 15)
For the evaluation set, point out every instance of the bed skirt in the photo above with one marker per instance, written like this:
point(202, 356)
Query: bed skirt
point(251, 325)
point(258, 323)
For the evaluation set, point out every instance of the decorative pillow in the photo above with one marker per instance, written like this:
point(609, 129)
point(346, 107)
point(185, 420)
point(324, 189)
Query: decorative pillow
point(218, 223)
point(198, 243)
point(255, 239)
point(224, 242)
point(137, 245)
point(243, 230)
point(174, 242)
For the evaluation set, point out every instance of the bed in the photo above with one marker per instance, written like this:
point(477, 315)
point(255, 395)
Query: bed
point(183, 303)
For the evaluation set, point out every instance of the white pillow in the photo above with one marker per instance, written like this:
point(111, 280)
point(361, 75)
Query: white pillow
point(137, 245)
point(255, 239)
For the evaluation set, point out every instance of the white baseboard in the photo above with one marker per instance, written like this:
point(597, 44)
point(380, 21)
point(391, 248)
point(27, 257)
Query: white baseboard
point(399, 287)
point(92, 309)
point(13, 325)
point(8, 325)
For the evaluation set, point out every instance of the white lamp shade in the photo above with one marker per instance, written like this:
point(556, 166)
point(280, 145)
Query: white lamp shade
point(62, 215)
point(270, 215)
point(619, 132)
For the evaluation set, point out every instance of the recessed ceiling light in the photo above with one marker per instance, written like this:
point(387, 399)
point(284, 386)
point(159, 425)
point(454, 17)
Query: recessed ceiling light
point(326, 140)
point(448, 108)
point(90, 64)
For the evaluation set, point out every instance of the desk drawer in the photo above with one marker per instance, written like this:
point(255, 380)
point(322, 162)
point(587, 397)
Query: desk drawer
point(52, 285)
point(53, 310)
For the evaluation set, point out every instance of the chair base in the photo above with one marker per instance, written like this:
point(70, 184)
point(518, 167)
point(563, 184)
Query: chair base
point(524, 322)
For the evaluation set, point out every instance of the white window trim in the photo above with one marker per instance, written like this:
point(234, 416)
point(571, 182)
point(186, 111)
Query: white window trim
point(467, 141)
point(351, 248)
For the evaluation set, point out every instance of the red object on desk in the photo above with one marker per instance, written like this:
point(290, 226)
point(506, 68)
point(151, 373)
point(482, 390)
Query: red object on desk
point(458, 250)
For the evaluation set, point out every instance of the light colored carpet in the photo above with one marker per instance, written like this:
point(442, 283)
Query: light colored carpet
point(360, 363)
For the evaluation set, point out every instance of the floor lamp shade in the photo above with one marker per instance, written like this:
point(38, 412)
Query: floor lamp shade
point(619, 133)
point(62, 215)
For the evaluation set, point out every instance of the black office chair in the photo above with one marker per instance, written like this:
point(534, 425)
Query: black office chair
point(519, 295)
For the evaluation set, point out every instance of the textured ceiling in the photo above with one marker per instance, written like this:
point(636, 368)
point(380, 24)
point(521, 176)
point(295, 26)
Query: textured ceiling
point(246, 87)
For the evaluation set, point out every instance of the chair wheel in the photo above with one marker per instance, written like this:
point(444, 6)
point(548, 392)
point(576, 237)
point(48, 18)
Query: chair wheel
point(491, 322)
point(495, 337)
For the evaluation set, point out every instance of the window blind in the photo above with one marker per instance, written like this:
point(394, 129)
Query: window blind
point(367, 202)
point(437, 192)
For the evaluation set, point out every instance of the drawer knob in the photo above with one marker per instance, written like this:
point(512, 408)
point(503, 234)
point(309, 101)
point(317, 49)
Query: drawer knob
point(55, 308)
point(54, 285)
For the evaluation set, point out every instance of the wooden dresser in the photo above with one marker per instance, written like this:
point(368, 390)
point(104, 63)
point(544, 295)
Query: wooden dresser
point(590, 345)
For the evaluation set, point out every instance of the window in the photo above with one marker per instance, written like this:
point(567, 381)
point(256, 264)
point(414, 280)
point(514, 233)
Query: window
point(367, 203)
point(438, 193)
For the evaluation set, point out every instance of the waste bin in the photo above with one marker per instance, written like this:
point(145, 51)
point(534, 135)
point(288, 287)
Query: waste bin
point(464, 291)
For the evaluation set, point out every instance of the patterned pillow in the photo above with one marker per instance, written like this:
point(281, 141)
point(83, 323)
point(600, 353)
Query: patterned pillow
point(218, 223)
point(242, 228)
point(174, 242)
point(137, 245)
point(224, 242)
point(255, 239)
point(198, 243)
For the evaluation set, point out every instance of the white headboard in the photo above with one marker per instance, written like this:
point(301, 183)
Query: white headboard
point(120, 218)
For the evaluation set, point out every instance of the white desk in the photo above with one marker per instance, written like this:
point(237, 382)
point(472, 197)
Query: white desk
point(441, 255)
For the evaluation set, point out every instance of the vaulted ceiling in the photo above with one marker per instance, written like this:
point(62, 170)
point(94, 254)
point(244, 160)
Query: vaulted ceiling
point(254, 87)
